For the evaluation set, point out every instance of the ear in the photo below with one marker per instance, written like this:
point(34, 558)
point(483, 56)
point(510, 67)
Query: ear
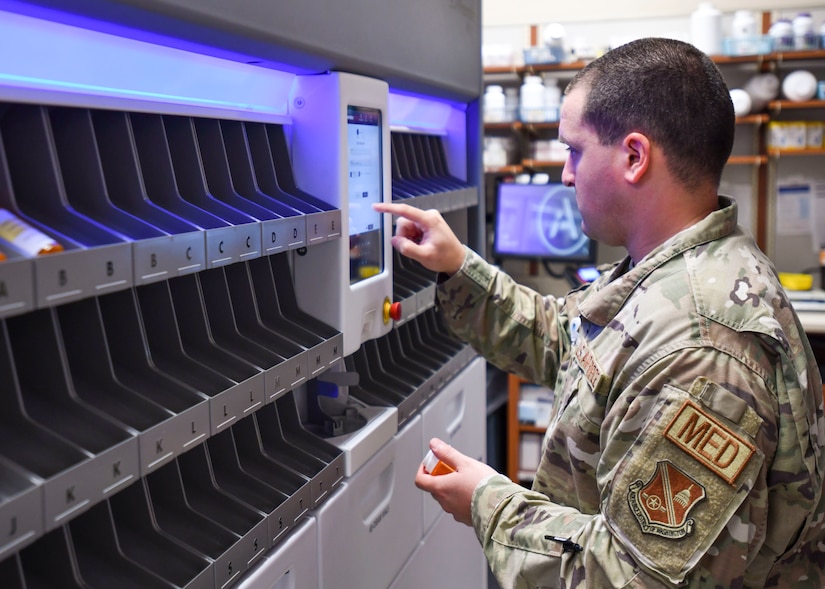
point(637, 154)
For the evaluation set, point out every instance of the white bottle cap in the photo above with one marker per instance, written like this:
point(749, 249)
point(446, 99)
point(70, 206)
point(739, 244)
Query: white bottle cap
point(430, 461)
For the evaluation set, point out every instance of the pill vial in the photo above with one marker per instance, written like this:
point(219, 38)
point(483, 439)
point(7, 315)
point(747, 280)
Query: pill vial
point(434, 466)
point(24, 238)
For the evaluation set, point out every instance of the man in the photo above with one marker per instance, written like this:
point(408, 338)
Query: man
point(685, 447)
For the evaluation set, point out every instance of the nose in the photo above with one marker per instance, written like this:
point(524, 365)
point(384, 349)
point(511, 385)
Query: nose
point(567, 176)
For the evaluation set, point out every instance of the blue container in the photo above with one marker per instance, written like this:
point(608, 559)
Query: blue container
point(756, 45)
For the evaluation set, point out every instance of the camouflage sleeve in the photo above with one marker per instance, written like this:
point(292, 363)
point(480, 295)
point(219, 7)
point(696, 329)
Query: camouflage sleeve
point(686, 499)
point(512, 326)
point(532, 543)
point(686, 496)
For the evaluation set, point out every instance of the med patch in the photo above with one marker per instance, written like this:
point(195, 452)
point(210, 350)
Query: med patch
point(668, 496)
point(708, 441)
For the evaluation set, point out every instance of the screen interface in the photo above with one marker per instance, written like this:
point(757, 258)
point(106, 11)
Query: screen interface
point(366, 231)
point(540, 221)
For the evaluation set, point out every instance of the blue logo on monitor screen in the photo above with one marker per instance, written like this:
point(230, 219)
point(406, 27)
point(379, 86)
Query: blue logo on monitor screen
point(559, 223)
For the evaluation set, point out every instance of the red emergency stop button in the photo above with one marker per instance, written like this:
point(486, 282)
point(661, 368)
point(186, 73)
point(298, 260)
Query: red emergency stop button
point(391, 311)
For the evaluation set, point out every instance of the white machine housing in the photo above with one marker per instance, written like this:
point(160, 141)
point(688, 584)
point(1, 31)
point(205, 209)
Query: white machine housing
point(322, 165)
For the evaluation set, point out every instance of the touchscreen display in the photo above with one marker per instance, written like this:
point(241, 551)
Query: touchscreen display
point(366, 231)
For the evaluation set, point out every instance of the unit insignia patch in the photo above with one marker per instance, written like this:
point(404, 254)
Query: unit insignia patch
point(662, 504)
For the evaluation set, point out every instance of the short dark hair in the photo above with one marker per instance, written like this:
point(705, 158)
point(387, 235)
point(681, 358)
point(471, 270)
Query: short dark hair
point(670, 91)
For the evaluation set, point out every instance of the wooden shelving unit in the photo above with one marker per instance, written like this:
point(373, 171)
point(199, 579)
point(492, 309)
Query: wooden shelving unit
point(508, 126)
point(795, 152)
point(513, 427)
point(753, 160)
point(505, 170)
point(515, 430)
point(760, 158)
point(538, 164)
point(536, 127)
point(777, 106)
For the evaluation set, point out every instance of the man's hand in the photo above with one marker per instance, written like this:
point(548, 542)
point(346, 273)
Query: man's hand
point(453, 491)
point(425, 237)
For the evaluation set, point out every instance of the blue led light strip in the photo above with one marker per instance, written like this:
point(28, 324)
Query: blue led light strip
point(52, 62)
point(47, 61)
point(422, 114)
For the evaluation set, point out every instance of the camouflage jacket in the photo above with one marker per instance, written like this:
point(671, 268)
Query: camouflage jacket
point(685, 446)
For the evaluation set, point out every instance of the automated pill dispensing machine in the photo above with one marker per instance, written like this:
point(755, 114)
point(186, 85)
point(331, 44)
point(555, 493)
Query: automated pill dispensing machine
point(188, 404)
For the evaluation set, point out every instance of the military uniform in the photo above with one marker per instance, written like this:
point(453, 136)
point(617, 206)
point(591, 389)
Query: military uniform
point(685, 446)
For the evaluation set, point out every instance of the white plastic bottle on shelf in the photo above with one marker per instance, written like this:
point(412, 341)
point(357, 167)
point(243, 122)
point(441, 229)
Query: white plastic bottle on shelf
point(822, 38)
point(532, 100)
point(803, 31)
point(552, 98)
point(743, 39)
point(494, 104)
point(553, 36)
point(781, 33)
point(495, 153)
point(706, 28)
point(510, 104)
point(741, 102)
point(799, 86)
point(762, 88)
point(743, 25)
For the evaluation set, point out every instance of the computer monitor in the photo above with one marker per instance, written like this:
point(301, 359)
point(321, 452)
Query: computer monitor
point(540, 222)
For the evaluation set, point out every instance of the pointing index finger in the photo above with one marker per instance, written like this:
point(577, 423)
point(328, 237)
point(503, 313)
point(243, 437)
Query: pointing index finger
point(400, 210)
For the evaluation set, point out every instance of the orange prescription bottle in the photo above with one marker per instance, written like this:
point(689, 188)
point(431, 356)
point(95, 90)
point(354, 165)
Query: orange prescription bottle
point(28, 240)
point(434, 466)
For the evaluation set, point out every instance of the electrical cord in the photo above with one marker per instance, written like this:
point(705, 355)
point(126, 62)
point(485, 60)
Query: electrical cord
point(547, 268)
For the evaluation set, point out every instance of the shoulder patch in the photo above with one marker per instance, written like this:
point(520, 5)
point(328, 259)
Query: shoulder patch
point(709, 442)
point(662, 504)
point(668, 496)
